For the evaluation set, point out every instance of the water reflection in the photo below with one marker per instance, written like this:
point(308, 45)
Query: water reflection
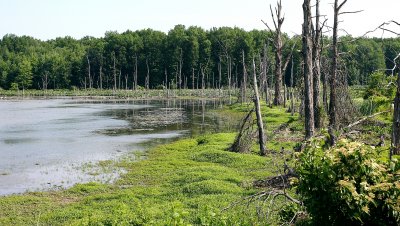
point(44, 143)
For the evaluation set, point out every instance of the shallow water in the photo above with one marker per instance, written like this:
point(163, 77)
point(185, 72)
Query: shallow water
point(47, 143)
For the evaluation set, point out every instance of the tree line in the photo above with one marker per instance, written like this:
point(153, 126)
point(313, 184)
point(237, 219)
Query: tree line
point(185, 57)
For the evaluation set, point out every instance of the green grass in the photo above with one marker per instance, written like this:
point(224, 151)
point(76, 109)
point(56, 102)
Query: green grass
point(188, 181)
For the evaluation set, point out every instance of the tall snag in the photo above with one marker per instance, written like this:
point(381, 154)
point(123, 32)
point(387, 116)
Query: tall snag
point(308, 70)
point(278, 99)
point(317, 67)
point(260, 125)
point(333, 118)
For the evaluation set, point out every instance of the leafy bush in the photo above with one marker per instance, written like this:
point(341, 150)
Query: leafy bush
point(375, 104)
point(346, 185)
point(379, 85)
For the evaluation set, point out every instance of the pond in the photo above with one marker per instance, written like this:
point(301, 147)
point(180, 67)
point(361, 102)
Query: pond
point(55, 143)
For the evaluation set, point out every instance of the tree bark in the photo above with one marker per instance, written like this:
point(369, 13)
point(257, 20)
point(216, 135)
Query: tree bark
point(147, 85)
point(278, 56)
point(192, 78)
point(260, 125)
point(101, 77)
point(308, 70)
point(291, 90)
point(219, 74)
point(135, 74)
point(265, 71)
point(114, 72)
point(317, 68)
point(396, 122)
point(333, 121)
point(244, 83)
point(89, 77)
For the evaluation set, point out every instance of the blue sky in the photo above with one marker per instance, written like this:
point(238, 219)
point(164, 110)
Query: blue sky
point(48, 19)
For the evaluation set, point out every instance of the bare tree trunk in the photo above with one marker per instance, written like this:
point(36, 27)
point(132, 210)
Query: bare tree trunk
point(119, 78)
point(396, 122)
point(265, 71)
point(317, 68)
point(202, 81)
point(244, 83)
point(192, 78)
point(325, 91)
point(229, 77)
point(261, 134)
point(114, 72)
point(147, 82)
point(101, 77)
point(136, 72)
point(308, 71)
point(126, 81)
point(284, 95)
point(291, 89)
point(180, 70)
point(278, 51)
point(219, 74)
point(89, 77)
point(333, 124)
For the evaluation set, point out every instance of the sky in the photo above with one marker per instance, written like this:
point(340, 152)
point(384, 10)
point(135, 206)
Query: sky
point(48, 19)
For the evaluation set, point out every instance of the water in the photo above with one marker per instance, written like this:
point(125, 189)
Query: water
point(47, 143)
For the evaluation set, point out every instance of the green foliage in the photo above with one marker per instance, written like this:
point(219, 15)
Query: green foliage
point(63, 62)
point(379, 85)
point(375, 104)
point(346, 185)
point(379, 94)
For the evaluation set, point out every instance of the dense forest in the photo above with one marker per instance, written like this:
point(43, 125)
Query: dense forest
point(184, 58)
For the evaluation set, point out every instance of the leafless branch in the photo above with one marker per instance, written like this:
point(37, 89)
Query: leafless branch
point(273, 18)
point(341, 5)
point(351, 12)
point(385, 29)
point(265, 23)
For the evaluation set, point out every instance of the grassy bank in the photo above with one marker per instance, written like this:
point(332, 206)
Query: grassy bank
point(189, 181)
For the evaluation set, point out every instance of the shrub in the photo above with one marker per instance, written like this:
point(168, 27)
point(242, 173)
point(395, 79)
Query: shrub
point(378, 85)
point(346, 185)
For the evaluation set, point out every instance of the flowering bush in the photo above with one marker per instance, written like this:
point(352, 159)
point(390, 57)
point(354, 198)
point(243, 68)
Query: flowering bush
point(347, 185)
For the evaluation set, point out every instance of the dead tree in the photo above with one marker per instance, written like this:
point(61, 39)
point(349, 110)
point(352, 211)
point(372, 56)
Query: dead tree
point(308, 70)
point(135, 74)
point(265, 71)
point(89, 76)
point(180, 69)
point(126, 81)
point(192, 78)
point(292, 89)
point(244, 81)
point(101, 76)
point(114, 71)
point(278, 50)
point(333, 118)
point(229, 76)
point(219, 74)
point(45, 80)
point(147, 82)
point(260, 125)
point(243, 139)
point(317, 67)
